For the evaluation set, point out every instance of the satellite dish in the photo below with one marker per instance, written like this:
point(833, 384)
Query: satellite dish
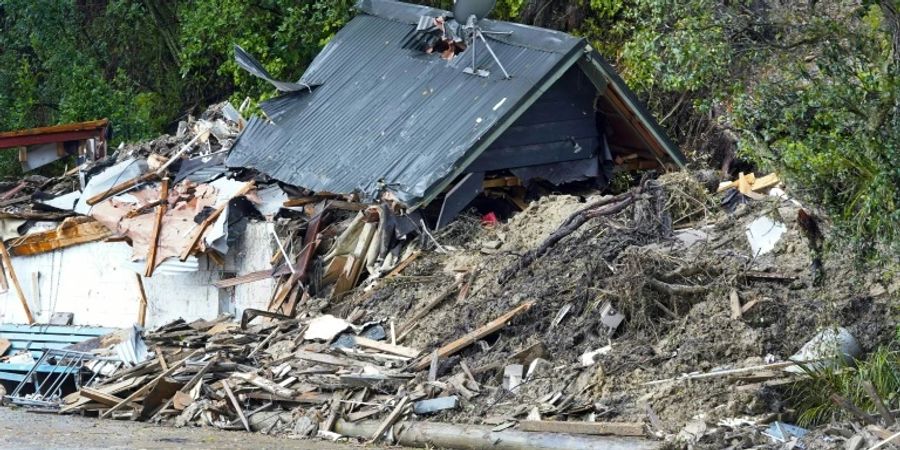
point(468, 13)
point(463, 9)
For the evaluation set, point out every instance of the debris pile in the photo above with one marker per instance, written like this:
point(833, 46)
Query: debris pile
point(646, 315)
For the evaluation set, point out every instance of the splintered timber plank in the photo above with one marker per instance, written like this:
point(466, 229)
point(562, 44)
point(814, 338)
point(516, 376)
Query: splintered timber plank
point(599, 428)
point(147, 387)
point(236, 404)
point(469, 339)
point(7, 261)
point(157, 227)
point(386, 348)
point(142, 303)
point(100, 396)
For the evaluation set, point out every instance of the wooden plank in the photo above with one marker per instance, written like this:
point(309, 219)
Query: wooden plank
point(407, 352)
point(391, 419)
point(264, 384)
point(7, 261)
point(157, 227)
point(253, 277)
point(353, 267)
point(735, 301)
point(100, 396)
point(147, 387)
point(595, 428)
point(4, 346)
point(142, 303)
point(110, 389)
point(73, 231)
point(121, 187)
point(404, 264)
point(200, 229)
point(469, 339)
point(848, 406)
point(237, 405)
point(329, 360)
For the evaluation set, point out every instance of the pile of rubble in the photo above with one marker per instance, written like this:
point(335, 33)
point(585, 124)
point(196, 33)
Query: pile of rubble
point(651, 315)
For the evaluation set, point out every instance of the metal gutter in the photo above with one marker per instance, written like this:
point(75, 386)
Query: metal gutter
point(57, 133)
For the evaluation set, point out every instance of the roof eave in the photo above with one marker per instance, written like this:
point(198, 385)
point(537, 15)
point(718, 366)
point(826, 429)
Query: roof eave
point(614, 81)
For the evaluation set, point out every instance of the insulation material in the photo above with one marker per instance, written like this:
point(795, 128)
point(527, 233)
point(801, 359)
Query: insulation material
point(63, 202)
point(177, 224)
point(763, 234)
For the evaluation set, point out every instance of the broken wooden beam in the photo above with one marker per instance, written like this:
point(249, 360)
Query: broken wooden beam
point(72, 231)
point(735, 301)
point(7, 261)
point(391, 419)
point(386, 348)
point(157, 227)
point(100, 396)
point(142, 301)
point(264, 384)
point(122, 187)
point(147, 387)
point(236, 405)
point(573, 427)
point(469, 339)
point(413, 321)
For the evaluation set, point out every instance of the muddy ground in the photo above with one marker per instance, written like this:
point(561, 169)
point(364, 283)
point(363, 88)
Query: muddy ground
point(23, 430)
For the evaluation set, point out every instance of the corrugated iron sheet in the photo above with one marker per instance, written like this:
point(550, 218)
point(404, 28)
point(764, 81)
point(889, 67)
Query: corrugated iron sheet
point(392, 118)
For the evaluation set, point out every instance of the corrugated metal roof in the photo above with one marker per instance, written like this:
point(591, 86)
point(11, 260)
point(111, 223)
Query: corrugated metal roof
point(390, 117)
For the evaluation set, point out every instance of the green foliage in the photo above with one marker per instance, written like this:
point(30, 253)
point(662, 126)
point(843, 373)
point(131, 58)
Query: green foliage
point(806, 88)
point(144, 64)
point(832, 124)
point(812, 396)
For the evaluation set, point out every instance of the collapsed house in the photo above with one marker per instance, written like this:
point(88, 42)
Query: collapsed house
point(378, 114)
point(661, 313)
point(379, 142)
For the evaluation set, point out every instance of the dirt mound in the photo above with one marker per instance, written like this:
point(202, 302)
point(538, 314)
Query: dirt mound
point(675, 287)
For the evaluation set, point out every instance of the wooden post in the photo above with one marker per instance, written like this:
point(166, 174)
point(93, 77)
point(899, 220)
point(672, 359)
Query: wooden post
point(157, 227)
point(142, 308)
point(7, 261)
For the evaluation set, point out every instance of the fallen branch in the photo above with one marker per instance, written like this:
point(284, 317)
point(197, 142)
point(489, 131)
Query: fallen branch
point(605, 207)
point(676, 289)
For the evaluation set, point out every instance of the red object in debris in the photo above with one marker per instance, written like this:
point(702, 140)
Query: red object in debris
point(490, 220)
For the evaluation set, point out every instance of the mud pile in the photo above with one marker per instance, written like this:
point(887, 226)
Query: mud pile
point(672, 277)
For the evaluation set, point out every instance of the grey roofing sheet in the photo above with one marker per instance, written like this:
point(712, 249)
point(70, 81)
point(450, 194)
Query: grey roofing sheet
point(389, 117)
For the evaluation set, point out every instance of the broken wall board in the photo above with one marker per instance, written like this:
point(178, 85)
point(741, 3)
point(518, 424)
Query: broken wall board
point(71, 232)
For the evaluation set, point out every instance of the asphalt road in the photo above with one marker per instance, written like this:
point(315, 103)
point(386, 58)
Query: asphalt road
point(20, 429)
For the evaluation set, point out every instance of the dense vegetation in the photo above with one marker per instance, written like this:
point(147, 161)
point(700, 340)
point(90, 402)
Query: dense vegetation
point(809, 88)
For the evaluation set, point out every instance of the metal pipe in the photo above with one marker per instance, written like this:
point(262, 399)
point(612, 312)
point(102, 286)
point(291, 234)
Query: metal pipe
point(476, 437)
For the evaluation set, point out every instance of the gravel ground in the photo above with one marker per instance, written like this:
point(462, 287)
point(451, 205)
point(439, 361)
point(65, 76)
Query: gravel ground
point(20, 429)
